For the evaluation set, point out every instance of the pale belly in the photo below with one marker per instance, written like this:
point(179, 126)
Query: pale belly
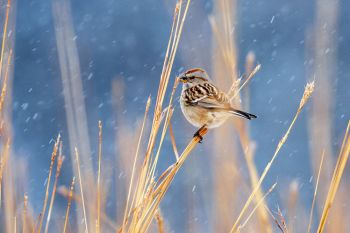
point(198, 116)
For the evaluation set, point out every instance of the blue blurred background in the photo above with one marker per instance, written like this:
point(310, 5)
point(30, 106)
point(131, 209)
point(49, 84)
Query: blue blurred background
point(125, 40)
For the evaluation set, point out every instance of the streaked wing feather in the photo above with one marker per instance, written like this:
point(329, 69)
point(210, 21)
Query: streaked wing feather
point(199, 99)
point(207, 95)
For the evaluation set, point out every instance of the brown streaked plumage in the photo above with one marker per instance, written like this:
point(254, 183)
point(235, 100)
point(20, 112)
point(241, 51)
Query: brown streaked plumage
point(203, 104)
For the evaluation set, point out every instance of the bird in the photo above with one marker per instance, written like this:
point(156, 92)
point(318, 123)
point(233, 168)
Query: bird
point(203, 104)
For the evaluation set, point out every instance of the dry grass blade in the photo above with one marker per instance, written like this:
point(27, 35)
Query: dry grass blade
point(225, 65)
point(99, 177)
point(127, 209)
point(169, 58)
point(143, 200)
point(24, 215)
point(233, 93)
point(315, 193)
point(65, 192)
point(144, 178)
point(81, 189)
point(36, 225)
point(4, 85)
point(169, 114)
point(8, 6)
point(70, 197)
point(53, 194)
point(53, 157)
point(162, 188)
point(5, 154)
point(4, 157)
point(160, 222)
point(173, 142)
point(282, 221)
point(279, 225)
point(74, 99)
point(15, 225)
point(256, 207)
point(6, 138)
point(307, 93)
point(337, 175)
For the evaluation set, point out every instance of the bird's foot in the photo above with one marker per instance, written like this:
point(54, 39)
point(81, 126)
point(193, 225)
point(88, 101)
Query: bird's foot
point(200, 133)
point(199, 136)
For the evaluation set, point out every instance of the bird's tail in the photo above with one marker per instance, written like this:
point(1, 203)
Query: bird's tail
point(240, 113)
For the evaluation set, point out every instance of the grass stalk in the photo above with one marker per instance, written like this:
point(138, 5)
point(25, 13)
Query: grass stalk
point(15, 225)
point(235, 91)
point(161, 189)
point(74, 99)
point(4, 158)
point(65, 192)
point(70, 197)
point(282, 221)
point(37, 222)
point(165, 127)
point(98, 224)
point(127, 209)
point(4, 85)
point(53, 157)
point(53, 194)
point(261, 201)
point(307, 93)
point(280, 226)
point(337, 175)
point(160, 222)
point(81, 189)
point(145, 185)
point(315, 193)
point(24, 213)
point(173, 142)
point(4, 33)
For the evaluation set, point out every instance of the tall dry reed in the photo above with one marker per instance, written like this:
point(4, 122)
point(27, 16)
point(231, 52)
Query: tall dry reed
point(144, 189)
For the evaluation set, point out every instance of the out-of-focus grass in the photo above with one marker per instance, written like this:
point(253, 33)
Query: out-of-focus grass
point(144, 190)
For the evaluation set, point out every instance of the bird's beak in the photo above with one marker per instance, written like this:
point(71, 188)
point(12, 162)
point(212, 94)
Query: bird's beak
point(183, 79)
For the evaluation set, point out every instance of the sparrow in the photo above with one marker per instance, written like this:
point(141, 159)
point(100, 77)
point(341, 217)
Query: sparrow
point(203, 104)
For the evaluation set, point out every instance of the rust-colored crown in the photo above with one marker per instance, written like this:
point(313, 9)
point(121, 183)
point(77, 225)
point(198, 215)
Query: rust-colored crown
point(194, 70)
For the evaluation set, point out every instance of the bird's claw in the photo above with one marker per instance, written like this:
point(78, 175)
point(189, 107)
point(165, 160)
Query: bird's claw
point(200, 133)
point(197, 134)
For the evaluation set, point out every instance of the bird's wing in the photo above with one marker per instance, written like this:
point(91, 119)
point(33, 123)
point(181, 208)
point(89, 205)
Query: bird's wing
point(194, 101)
point(211, 98)
point(211, 102)
point(207, 95)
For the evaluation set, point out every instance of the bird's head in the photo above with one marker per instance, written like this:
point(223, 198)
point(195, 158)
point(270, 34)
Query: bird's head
point(193, 77)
